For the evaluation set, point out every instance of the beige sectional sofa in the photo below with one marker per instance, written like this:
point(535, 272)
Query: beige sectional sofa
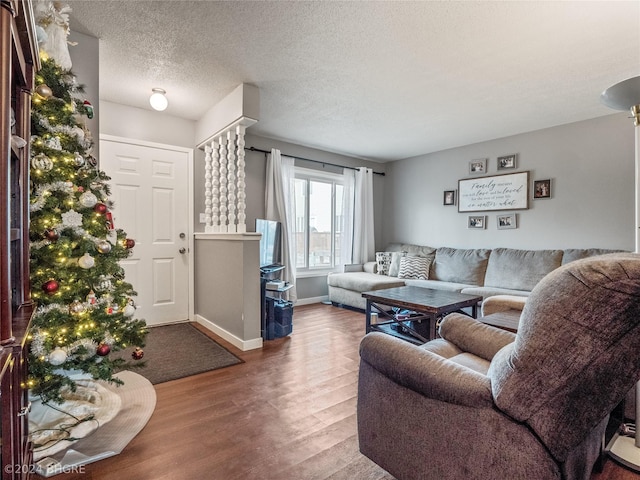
point(500, 271)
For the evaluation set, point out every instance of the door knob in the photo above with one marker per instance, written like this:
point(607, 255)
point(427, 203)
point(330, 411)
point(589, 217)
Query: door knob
point(183, 250)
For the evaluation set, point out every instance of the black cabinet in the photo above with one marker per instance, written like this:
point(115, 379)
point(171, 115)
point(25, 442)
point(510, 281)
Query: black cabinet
point(276, 314)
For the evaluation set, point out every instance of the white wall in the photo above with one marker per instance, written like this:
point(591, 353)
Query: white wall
point(590, 164)
point(149, 125)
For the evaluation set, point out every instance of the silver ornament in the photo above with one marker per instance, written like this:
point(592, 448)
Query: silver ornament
point(77, 307)
point(103, 246)
point(88, 199)
point(78, 160)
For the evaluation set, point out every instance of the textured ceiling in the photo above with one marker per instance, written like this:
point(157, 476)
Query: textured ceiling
point(378, 80)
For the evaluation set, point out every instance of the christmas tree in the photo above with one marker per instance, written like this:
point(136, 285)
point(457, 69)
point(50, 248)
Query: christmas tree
point(84, 308)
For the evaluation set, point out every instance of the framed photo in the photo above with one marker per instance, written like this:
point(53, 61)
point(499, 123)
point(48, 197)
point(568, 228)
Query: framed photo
point(449, 197)
point(506, 221)
point(477, 221)
point(507, 161)
point(542, 189)
point(477, 167)
point(508, 191)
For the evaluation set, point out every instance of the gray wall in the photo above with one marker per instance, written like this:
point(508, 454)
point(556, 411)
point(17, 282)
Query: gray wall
point(86, 67)
point(591, 167)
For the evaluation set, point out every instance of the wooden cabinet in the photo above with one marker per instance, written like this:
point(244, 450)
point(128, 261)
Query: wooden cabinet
point(19, 61)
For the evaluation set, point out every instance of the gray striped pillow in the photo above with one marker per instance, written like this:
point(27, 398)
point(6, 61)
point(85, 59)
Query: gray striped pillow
point(414, 267)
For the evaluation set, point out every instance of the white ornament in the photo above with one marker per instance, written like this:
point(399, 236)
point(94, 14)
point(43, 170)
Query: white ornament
point(88, 199)
point(71, 219)
point(57, 357)
point(53, 143)
point(42, 162)
point(129, 311)
point(104, 284)
point(86, 261)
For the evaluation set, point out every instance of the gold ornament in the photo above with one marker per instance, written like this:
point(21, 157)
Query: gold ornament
point(43, 91)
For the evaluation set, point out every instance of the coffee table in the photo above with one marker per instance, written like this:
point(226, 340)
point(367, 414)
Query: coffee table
point(422, 305)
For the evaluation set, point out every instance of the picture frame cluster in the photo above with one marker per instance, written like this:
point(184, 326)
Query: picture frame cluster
point(479, 167)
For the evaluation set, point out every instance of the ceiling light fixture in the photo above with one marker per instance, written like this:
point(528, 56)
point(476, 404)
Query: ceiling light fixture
point(158, 100)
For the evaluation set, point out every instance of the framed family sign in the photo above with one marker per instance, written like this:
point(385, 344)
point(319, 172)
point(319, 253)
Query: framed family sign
point(498, 192)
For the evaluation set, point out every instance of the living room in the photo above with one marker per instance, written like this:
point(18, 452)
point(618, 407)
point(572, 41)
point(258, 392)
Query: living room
point(587, 154)
point(584, 151)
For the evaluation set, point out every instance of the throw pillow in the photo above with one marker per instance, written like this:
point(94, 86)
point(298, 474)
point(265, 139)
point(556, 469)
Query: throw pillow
point(414, 267)
point(383, 260)
point(394, 268)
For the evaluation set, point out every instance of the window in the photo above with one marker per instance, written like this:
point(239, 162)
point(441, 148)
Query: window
point(320, 200)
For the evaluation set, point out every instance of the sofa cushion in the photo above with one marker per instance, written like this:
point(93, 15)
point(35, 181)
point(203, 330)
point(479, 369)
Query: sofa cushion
point(572, 254)
point(460, 266)
point(487, 292)
point(520, 269)
point(437, 284)
point(362, 281)
point(394, 268)
point(414, 266)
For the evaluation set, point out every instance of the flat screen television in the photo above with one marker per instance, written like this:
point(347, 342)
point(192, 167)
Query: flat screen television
point(270, 242)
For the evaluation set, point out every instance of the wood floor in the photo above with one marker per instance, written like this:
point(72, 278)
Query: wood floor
point(288, 412)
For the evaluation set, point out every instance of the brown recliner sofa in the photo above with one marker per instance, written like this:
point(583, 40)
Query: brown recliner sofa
point(484, 403)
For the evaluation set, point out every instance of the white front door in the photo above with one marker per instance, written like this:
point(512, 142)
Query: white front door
point(150, 191)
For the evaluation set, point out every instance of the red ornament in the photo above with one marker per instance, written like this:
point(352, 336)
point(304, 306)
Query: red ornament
point(50, 287)
point(100, 208)
point(103, 349)
point(137, 354)
point(51, 235)
point(129, 243)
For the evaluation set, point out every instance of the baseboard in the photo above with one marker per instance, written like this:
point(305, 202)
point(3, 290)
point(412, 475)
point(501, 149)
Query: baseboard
point(243, 345)
point(310, 300)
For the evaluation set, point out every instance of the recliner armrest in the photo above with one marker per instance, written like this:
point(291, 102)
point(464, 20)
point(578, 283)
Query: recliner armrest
point(472, 336)
point(425, 372)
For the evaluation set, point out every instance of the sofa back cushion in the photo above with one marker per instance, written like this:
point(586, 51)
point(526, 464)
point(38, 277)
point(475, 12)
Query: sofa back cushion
point(572, 254)
point(520, 269)
point(459, 265)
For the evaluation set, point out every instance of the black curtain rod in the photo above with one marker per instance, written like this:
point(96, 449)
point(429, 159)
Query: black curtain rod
point(254, 149)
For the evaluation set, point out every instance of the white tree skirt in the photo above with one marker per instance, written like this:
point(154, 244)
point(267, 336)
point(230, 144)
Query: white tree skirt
point(114, 416)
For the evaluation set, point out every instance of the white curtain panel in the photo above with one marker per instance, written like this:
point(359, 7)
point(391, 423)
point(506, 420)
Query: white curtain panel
point(346, 244)
point(280, 206)
point(363, 233)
